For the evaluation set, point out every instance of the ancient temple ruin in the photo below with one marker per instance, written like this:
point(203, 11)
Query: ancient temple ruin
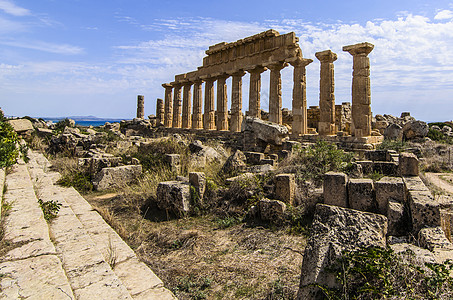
point(255, 54)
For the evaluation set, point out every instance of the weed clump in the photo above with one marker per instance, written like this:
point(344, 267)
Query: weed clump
point(50, 209)
point(8, 141)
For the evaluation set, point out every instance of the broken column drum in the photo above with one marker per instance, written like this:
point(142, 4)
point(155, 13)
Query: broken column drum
point(160, 111)
point(140, 106)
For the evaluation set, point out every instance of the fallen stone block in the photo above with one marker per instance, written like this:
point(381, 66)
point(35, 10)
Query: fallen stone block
point(198, 181)
point(174, 196)
point(386, 167)
point(254, 158)
point(334, 230)
point(236, 162)
point(21, 125)
point(268, 161)
point(285, 188)
point(408, 164)
point(376, 155)
point(396, 218)
point(265, 131)
point(446, 222)
point(389, 188)
point(109, 178)
point(361, 195)
point(271, 210)
point(424, 210)
point(174, 161)
point(367, 166)
point(432, 238)
point(414, 184)
point(335, 189)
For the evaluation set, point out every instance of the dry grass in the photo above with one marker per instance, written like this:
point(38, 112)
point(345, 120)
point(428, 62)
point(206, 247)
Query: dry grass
point(437, 157)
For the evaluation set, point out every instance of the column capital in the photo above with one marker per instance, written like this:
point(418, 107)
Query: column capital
point(277, 66)
point(257, 69)
point(176, 84)
point(326, 56)
point(222, 76)
point(198, 81)
point(167, 85)
point(187, 83)
point(301, 62)
point(239, 73)
point(359, 49)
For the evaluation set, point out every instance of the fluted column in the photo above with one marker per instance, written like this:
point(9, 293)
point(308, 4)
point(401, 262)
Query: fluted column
point(177, 105)
point(361, 89)
point(168, 119)
point(326, 125)
point(236, 101)
point(140, 106)
point(275, 93)
point(160, 111)
point(197, 116)
point(255, 90)
point(209, 105)
point(299, 109)
point(187, 105)
point(222, 103)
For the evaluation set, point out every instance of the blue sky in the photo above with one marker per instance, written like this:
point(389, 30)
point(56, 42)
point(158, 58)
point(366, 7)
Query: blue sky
point(87, 57)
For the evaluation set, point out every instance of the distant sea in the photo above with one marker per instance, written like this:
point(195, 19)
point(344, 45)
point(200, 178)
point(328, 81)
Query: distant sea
point(87, 123)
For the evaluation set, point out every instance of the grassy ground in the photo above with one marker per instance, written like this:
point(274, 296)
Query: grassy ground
point(198, 258)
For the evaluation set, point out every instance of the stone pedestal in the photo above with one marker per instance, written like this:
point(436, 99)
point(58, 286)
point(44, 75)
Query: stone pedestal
point(255, 90)
point(177, 106)
point(160, 112)
point(187, 105)
point(222, 103)
point(275, 93)
point(236, 102)
point(197, 116)
point(326, 125)
point(209, 110)
point(361, 91)
point(140, 106)
point(168, 119)
point(300, 97)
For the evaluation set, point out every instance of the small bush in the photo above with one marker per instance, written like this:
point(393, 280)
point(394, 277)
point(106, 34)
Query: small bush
point(80, 180)
point(387, 144)
point(439, 136)
point(62, 124)
point(227, 222)
point(50, 209)
point(8, 141)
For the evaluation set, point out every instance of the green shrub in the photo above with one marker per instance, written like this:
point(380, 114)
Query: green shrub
point(387, 144)
point(62, 124)
point(80, 180)
point(227, 222)
point(8, 141)
point(438, 136)
point(50, 209)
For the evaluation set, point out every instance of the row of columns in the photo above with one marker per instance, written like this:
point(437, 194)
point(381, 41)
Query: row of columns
point(179, 113)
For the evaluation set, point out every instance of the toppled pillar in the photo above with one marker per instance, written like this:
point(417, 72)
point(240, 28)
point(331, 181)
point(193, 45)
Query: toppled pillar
point(408, 164)
point(285, 188)
point(236, 101)
point(222, 103)
point(140, 106)
point(275, 93)
point(326, 125)
point(335, 189)
point(186, 106)
point(197, 115)
point(168, 119)
point(255, 91)
point(300, 97)
point(209, 111)
point(198, 181)
point(160, 111)
point(177, 105)
point(361, 90)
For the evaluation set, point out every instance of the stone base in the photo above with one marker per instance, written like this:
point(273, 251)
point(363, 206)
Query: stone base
point(344, 142)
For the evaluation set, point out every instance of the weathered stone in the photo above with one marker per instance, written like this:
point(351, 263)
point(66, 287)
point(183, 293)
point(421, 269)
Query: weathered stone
point(21, 125)
point(174, 161)
point(285, 188)
point(386, 167)
point(414, 184)
point(186, 118)
point(335, 189)
point(432, 238)
point(236, 101)
point(299, 104)
point(361, 195)
point(160, 111)
point(177, 106)
point(393, 132)
point(260, 168)
point(236, 162)
point(334, 230)
point(424, 210)
point(271, 210)
point(291, 145)
point(446, 221)
point(174, 196)
point(408, 164)
point(367, 166)
point(198, 181)
point(396, 217)
point(275, 92)
point(254, 158)
point(415, 130)
point(140, 106)
point(389, 188)
point(268, 161)
point(423, 254)
point(266, 131)
point(376, 155)
point(168, 119)
point(209, 105)
point(112, 177)
point(222, 103)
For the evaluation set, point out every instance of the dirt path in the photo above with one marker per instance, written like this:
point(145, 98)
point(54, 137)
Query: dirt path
point(443, 181)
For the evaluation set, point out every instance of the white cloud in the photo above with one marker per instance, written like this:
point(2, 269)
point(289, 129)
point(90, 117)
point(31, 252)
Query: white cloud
point(45, 46)
point(10, 8)
point(444, 14)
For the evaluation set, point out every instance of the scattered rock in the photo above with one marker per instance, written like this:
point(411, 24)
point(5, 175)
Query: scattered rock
point(21, 125)
point(415, 130)
point(268, 132)
point(236, 162)
point(109, 178)
point(174, 196)
point(271, 210)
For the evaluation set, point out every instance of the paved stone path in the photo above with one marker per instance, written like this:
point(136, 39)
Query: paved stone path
point(435, 179)
point(76, 256)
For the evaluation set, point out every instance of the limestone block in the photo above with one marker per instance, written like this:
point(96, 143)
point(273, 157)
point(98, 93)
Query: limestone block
point(268, 161)
point(109, 178)
point(336, 229)
point(446, 221)
point(174, 196)
point(423, 254)
point(432, 238)
point(376, 155)
point(271, 210)
point(335, 189)
point(236, 162)
point(408, 164)
point(266, 131)
point(174, 161)
point(367, 166)
point(361, 195)
point(415, 130)
point(21, 125)
point(260, 168)
point(386, 167)
point(285, 188)
point(389, 188)
point(396, 217)
point(393, 132)
point(291, 145)
point(424, 210)
point(198, 181)
point(414, 184)
point(254, 158)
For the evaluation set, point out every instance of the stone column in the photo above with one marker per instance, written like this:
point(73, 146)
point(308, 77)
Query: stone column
point(197, 116)
point(255, 90)
point(177, 105)
point(168, 119)
point(275, 93)
point(160, 111)
point(209, 109)
point(236, 101)
point(300, 97)
point(326, 125)
point(361, 89)
point(222, 103)
point(140, 106)
point(187, 105)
